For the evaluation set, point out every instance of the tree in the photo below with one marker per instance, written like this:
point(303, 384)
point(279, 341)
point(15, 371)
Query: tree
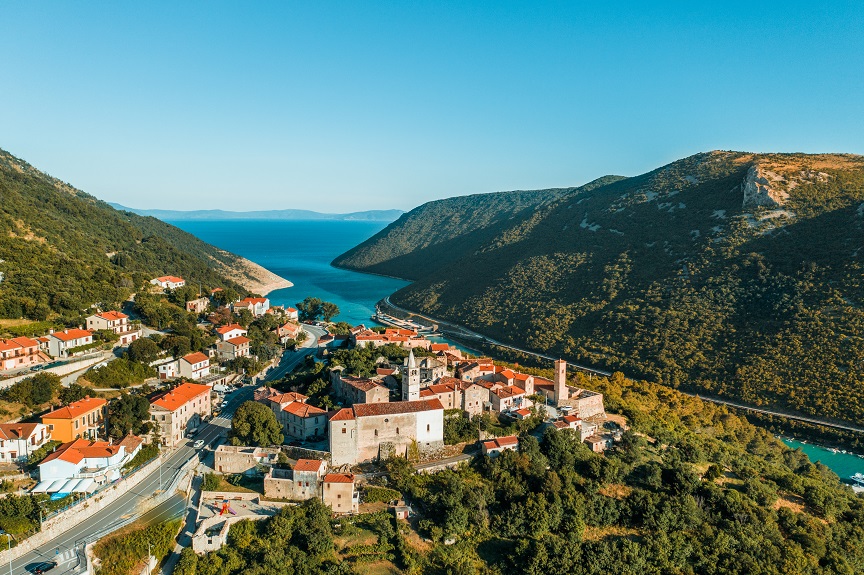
point(33, 391)
point(329, 310)
point(309, 309)
point(225, 296)
point(128, 414)
point(72, 393)
point(143, 350)
point(254, 424)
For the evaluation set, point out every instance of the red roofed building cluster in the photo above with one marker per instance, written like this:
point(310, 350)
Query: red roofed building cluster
point(402, 337)
point(299, 420)
point(177, 410)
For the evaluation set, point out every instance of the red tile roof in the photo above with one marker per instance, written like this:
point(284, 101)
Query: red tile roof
point(344, 414)
point(501, 442)
point(131, 442)
point(180, 395)
point(253, 300)
point(396, 407)
point(361, 383)
point(303, 409)
point(339, 478)
point(238, 341)
point(172, 279)
point(308, 465)
point(79, 449)
point(197, 357)
point(112, 315)
point(231, 327)
point(509, 391)
point(17, 430)
point(76, 408)
point(440, 346)
point(287, 397)
point(70, 334)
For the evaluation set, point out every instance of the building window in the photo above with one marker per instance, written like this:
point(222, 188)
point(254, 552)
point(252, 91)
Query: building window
point(343, 430)
point(427, 427)
point(397, 431)
point(376, 433)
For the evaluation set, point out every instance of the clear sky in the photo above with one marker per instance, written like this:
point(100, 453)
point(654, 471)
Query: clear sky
point(350, 106)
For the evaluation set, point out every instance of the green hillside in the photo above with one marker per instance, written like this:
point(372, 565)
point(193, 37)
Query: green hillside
point(432, 235)
point(671, 277)
point(63, 250)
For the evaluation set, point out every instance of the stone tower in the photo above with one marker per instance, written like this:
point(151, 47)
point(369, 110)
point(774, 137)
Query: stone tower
point(411, 380)
point(561, 393)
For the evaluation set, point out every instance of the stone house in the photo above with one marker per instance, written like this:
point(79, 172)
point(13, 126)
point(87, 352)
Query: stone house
point(494, 447)
point(338, 493)
point(302, 482)
point(376, 430)
point(242, 459)
point(352, 390)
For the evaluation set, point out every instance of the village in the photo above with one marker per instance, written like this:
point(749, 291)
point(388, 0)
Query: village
point(398, 398)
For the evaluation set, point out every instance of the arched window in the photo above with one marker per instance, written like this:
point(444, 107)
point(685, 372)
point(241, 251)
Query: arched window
point(376, 433)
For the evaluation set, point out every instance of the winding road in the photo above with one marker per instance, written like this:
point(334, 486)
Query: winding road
point(68, 547)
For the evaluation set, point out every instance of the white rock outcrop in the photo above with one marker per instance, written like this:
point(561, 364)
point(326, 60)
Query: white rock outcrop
point(761, 189)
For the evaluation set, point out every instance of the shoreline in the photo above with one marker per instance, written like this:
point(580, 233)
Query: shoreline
point(253, 277)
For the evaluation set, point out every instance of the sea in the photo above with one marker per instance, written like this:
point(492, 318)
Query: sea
point(301, 251)
point(843, 464)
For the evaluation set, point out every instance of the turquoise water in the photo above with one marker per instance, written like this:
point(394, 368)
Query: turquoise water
point(301, 252)
point(843, 464)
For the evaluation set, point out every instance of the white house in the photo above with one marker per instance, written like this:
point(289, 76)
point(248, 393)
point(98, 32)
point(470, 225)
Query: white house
point(194, 365)
point(60, 342)
point(495, 447)
point(19, 440)
point(168, 369)
point(292, 313)
point(257, 306)
point(234, 348)
point(168, 282)
point(231, 331)
point(116, 322)
point(80, 466)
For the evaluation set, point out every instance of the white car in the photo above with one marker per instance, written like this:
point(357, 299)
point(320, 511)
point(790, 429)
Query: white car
point(199, 444)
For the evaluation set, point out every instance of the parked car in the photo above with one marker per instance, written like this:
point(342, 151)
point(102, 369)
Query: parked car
point(38, 568)
point(199, 444)
point(37, 367)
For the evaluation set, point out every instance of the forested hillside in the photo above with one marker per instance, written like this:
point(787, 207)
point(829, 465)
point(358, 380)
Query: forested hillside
point(433, 235)
point(732, 273)
point(62, 250)
point(690, 489)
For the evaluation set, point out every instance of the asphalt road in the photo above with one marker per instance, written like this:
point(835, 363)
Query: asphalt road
point(67, 548)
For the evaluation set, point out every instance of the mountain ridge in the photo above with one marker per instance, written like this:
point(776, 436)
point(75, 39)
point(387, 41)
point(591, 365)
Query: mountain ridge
point(63, 250)
point(287, 214)
point(671, 276)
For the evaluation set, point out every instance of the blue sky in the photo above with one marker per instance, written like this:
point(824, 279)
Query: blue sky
point(350, 106)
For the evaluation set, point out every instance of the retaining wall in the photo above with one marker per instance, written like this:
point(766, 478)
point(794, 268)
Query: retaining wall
point(66, 520)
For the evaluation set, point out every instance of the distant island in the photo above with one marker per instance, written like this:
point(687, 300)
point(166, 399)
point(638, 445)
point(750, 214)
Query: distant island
point(168, 215)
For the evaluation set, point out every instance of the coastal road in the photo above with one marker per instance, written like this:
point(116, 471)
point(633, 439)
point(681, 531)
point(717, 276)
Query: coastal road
point(291, 360)
point(458, 331)
point(804, 418)
point(66, 547)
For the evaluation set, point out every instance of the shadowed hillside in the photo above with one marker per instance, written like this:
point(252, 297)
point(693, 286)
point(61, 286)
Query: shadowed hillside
point(733, 273)
point(63, 250)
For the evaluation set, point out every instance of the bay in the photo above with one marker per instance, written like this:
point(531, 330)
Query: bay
point(843, 464)
point(301, 251)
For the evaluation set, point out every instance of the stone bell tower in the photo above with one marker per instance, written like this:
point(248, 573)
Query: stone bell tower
point(411, 379)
